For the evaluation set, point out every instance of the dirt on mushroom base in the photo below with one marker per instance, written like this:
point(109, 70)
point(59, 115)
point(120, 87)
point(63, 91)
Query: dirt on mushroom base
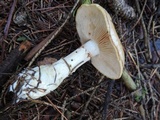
point(66, 98)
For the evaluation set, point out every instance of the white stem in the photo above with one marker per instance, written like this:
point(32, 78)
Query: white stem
point(39, 81)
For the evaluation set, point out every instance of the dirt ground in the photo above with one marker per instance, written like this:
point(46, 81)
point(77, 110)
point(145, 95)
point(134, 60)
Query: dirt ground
point(86, 94)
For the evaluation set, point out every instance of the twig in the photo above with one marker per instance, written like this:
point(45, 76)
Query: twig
point(38, 113)
point(150, 65)
point(45, 103)
point(9, 19)
point(127, 96)
point(107, 99)
point(31, 20)
point(158, 75)
point(83, 92)
point(127, 111)
point(54, 106)
point(157, 117)
point(92, 94)
point(146, 38)
point(36, 51)
point(152, 114)
point(154, 43)
point(55, 49)
point(137, 57)
point(142, 112)
point(6, 29)
point(49, 104)
point(153, 111)
point(63, 110)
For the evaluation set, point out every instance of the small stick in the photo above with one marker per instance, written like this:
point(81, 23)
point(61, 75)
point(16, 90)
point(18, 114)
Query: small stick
point(85, 92)
point(7, 28)
point(150, 65)
point(63, 110)
point(91, 96)
point(130, 113)
point(146, 38)
point(107, 99)
point(55, 107)
point(152, 94)
point(158, 75)
point(9, 19)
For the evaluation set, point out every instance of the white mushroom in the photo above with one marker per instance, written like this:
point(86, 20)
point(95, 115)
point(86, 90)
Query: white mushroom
point(101, 45)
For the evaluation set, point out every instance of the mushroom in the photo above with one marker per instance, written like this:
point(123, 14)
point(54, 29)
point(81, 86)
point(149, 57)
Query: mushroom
point(100, 44)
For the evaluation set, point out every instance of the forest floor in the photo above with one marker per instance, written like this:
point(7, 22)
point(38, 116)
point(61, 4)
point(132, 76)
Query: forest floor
point(86, 94)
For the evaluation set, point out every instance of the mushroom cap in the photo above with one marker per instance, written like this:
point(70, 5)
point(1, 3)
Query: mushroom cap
point(94, 22)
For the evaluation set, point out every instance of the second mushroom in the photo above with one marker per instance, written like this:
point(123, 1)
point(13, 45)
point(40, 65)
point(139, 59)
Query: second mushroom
point(100, 44)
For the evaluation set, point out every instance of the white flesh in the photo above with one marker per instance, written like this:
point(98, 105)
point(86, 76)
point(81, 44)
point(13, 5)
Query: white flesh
point(38, 81)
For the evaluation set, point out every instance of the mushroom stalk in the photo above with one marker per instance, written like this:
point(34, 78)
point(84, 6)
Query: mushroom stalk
point(38, 81)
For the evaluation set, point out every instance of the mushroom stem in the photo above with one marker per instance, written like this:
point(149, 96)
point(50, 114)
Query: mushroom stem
point(81, 55)
point(38, 81)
